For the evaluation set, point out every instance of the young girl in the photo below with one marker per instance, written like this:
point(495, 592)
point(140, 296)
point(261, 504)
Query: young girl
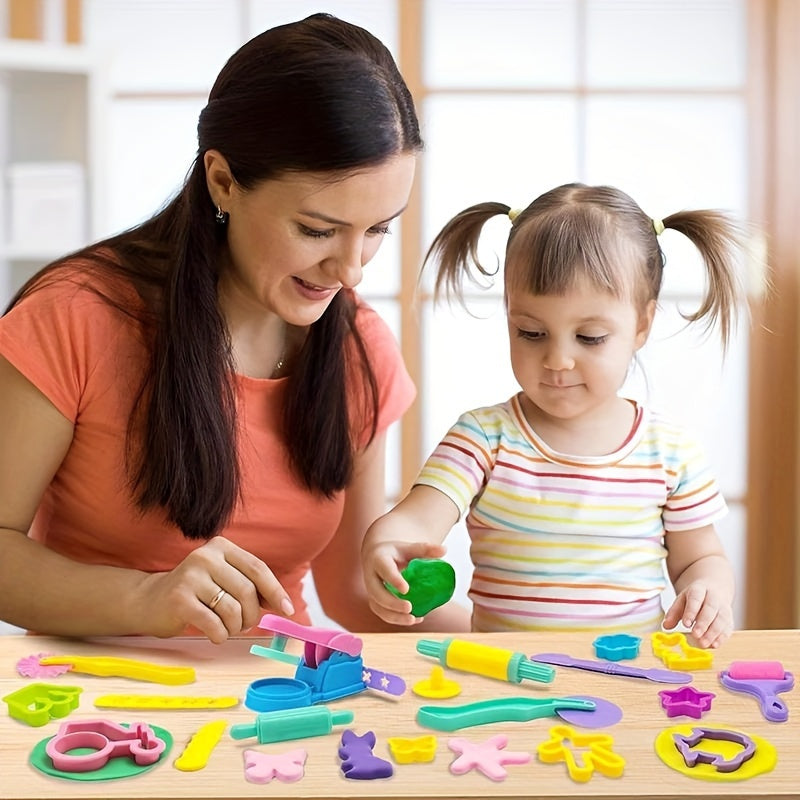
point(575, 495)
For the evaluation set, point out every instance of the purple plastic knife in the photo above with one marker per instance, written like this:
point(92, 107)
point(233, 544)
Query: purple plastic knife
point(614, 668)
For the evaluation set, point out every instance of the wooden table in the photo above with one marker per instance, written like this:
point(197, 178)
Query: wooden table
point(228, 670)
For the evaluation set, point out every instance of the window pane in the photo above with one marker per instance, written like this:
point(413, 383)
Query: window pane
point(382, 274)
point(151, 146)
point(733, 532)
point(670, 152)
point(467, 364)
point(163, 45)
point(499, 148)
point(689, 380)
point(513, 43)
point(380, 19)
point(655, 43)
point(390, 313)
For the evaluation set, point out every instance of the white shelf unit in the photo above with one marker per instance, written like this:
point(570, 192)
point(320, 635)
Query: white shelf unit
point(52, 101)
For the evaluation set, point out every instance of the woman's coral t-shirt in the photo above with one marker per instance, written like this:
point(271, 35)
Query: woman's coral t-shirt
point(88, 358)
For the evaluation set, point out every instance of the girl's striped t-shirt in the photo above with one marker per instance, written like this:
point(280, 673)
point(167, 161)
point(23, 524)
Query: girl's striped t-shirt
point(561, 542)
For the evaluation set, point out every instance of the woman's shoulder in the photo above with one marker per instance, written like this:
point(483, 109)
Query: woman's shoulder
point(79, 304)
point(372, 327)
point(378, 339)
point(71, 335)
point(396, 390)
point(82, 282)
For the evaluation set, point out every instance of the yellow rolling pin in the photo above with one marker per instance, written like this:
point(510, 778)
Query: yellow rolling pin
point(482, 659)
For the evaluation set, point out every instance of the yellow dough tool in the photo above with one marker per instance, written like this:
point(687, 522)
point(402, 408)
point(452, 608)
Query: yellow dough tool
point(107, 666)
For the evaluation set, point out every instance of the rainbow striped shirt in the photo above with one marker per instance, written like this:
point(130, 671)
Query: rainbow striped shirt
point(570, 542)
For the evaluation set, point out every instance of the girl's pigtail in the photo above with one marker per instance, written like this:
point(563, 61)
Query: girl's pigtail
point(721, 243)
point(455, 250)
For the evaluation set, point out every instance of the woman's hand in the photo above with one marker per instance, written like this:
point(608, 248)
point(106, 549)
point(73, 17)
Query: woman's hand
point(218, 588)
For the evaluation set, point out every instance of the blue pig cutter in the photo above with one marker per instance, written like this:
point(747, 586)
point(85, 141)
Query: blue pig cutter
point(331, 667)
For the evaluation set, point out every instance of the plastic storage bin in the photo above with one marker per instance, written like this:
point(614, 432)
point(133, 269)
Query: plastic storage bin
point(47, 202)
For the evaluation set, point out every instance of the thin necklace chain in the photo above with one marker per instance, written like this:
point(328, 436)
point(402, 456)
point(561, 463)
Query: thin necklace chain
point(282, 360)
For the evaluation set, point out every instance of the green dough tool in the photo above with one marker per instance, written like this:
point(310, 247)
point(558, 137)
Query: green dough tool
point(506, 709)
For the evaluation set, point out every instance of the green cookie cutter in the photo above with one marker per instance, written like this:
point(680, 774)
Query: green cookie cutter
point(37, 703)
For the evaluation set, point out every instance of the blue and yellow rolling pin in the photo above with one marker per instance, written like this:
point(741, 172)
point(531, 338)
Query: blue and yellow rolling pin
point(482, 659)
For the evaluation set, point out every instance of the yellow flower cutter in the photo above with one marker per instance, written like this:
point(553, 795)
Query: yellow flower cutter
point(685, 657)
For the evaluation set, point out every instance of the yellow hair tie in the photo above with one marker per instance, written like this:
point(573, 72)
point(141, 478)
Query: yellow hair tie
point(658, 226)
point(513, 213)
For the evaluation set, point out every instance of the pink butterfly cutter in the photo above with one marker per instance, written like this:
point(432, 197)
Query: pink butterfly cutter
point(263, 767)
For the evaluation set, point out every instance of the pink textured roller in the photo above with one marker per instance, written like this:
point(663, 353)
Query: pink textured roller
point(756, 670)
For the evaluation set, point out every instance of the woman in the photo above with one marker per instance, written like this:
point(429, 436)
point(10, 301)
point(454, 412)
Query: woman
point(193, 412)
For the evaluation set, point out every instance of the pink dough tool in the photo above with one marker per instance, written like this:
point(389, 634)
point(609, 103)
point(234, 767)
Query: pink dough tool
point(30, 667)
point(324, 638)
point(331, 667)
point(764, 680)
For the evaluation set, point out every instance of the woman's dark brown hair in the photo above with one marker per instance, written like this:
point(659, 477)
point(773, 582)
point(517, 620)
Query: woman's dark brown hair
point(319, 95)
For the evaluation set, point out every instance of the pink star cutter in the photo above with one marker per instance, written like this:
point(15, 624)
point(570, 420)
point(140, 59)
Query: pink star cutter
point(487, 757)
point(686, 701)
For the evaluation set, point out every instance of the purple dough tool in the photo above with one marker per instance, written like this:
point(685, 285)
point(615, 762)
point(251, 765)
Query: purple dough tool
point(604, 715)
point(764, 680)
point(613, 668)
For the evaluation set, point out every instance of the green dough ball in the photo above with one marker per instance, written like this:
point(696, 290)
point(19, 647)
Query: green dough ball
point(431, 583)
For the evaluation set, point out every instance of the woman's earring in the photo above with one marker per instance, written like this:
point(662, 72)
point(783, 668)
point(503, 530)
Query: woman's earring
point(221, 217)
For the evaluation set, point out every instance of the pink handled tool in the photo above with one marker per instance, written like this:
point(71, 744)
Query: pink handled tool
point(325, 639)
point(763, 679)
point(319, 645)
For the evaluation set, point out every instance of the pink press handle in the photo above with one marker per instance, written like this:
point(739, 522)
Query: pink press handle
point(332, 639)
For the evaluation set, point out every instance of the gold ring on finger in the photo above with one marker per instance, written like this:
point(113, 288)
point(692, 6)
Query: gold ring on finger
point(217, 597)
